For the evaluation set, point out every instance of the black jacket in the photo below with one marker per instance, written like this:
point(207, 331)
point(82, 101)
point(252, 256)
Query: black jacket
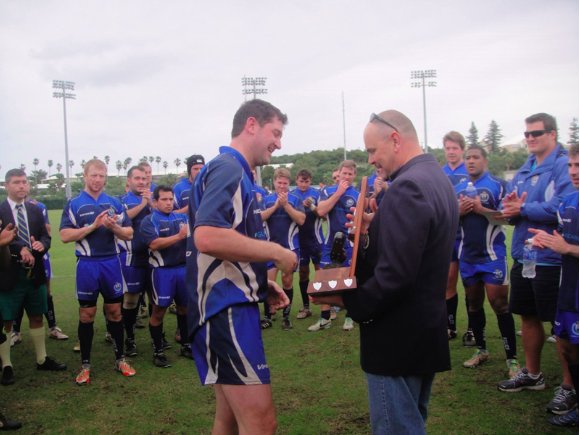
point(37, 229)
point(402, 274)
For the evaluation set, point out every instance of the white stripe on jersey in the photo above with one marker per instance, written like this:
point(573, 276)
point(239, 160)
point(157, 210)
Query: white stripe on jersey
point(238, 205)
point(317, 230)
point(211, 376)
point(83, 245)
point(292, 232)
point(252, 377)
point(156, 260)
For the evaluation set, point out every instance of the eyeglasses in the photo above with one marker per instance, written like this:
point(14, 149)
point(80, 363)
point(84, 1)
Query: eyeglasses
point(535, 133)
point(378, 118)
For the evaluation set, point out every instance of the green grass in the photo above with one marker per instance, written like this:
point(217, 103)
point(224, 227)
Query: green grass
point(318, 385)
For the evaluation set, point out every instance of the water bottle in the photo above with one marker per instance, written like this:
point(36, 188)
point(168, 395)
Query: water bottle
point(529, 260)
point(471, 191)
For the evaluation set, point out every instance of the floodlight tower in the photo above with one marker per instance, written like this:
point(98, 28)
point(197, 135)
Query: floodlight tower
point(427, 74)
point(253, 82)
point(70, 86)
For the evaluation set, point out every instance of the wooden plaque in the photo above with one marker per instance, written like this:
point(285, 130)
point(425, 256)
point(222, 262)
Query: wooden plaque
point(342, 279)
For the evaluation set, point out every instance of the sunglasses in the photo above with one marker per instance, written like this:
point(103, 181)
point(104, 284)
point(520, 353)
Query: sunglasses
point(535, 133)
point(378, 118)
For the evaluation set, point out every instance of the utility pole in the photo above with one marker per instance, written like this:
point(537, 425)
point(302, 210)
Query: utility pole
point(252, 82)
point(343, 126)
point(59, 84)
point(427, 74)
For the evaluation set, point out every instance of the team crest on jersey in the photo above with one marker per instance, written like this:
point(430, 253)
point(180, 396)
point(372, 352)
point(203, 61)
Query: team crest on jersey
point(498, 274)
point(575, 329)
point(117, 286)
point(181, 225)
point(463, 179)
point(535, 179)
point(484, 196)
point(350, 202)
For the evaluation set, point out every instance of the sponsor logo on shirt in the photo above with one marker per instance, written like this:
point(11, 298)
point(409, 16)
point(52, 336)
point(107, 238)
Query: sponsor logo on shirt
point(86, 214)
point(262, 366)
point(535, 179)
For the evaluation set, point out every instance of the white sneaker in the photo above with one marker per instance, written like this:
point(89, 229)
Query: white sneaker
point(551, 338)
point(15, 338)
point(56, 333)
point(321, 324)
point(519, 333)
point(348, 324)
point(333, 313)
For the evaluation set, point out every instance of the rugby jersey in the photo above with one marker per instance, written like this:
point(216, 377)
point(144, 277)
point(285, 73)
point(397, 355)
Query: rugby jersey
point(568, 227)
point(134, 252)
point(311, 233)
point(159, 224)
point(280, 228)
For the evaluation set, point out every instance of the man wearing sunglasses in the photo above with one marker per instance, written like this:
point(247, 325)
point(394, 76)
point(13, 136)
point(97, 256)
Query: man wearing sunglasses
point(532, 201)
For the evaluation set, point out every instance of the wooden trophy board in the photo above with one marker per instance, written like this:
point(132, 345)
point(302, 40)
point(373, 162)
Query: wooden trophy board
point(339, 280)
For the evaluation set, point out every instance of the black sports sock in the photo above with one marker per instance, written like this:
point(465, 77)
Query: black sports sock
point(142, 300)
point(18, 321)
point(574, 372)
point(129, 319)
point(156, 337)
point(267, 313)
point(304, 293)
point(182, 325)
point(507, 329)
point(290, 294)
point(477, 320)
point(116, 331)
point(86, 332)
point(452, 312)
point(469, 325)
point(325, 314)
point(50, 318)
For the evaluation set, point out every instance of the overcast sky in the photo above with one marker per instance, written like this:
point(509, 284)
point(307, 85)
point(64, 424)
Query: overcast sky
point(164, 78)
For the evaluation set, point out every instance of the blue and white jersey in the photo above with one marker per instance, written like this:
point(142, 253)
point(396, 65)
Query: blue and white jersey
point(337, 219)
point(157, 225)
point(223, 197)
point(153, 186)
point(568, 227)
point(545, 185)
point(482, 242)
point(43, 208)
point(371, 188)
point(311, 233)
point(181, 192)
point(134, 252)
point(280, 228)
point(81, 211)
point(457, 175)
point(261, 193)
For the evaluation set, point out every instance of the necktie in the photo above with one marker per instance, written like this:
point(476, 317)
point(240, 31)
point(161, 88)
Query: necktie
point(22, 226)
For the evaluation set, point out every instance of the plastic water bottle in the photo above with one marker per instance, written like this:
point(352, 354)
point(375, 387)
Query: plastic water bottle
point(471, 191)
point(530, 255)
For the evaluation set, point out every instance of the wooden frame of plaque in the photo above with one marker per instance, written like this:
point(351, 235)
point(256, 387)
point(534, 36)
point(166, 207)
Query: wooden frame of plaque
point(342, 279)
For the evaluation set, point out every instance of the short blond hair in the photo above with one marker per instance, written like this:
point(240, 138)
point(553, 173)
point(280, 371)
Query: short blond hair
point(351, 164)
point(282, 172)
point(94, 162)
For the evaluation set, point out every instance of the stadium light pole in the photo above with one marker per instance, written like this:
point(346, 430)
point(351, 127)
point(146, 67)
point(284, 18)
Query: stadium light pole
point(64, 86)
point(253, 82)
point(422, 75)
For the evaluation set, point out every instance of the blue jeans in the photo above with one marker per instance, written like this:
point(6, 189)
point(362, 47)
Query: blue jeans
point(398, 404)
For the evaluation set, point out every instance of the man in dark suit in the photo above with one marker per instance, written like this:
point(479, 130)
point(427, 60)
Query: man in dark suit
point(402, 276)
point(23, 284)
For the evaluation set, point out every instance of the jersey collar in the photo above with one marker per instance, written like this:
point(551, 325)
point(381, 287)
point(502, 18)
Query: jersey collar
point(240, 159)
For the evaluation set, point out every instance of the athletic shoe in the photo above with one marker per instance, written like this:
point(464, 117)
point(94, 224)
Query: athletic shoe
point(124, 367)
point(521, 381)
point(469, 339)
point(178, 335)
point(321, 324)
point(15, 338)
point(564, 401)
point(139, 324)
point(166, 344)
point(286, 325)
point(173, 308)
point(451, 334)
point(304, 313)
point(333, 313)
point(479, 357)
point(108, 337)
point(130, 347)
point(77, 347)
point(7, 376)
point(513, 367)
point(551, 338)
point(144, 313)
point(265, 323)
point(57, 334)
point(519, 333)
point(570, 419)
point(160, 361)
point(186, 351)
point(6, 424)
point(84, 376)
point(348, 324)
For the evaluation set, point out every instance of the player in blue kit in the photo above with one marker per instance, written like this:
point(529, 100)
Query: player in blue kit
point(565, 242)
point(311, 236)
point(134, 253)
point(377, 187)
point(335, 203)
point(165, 232)
point(227, 274)
point(482, 258)
point(94, 221)
point(283, 214)
point(148, 173)
point(182, 189)
point(454, 146)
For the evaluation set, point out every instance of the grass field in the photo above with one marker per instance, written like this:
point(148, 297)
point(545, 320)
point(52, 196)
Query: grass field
point(318, 385)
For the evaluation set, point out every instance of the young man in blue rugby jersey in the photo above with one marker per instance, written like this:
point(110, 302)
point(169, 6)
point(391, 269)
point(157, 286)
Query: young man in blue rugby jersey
point(182, 189)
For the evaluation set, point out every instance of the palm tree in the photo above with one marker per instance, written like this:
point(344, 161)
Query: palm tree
point(127, 162)
point(151, 159)
point(177, 164)
point(50, 163)
point(157, 160)
point(165, 164)
point(107, 160)
point(58, 167)
point(95, 158)
point(71, 163)
point(83, 163)
point(23, 166)
point(119, 165)
point(143, 159)
point(35, 162)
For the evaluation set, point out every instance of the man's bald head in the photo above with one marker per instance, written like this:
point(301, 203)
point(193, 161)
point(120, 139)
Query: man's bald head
point(403, 124)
